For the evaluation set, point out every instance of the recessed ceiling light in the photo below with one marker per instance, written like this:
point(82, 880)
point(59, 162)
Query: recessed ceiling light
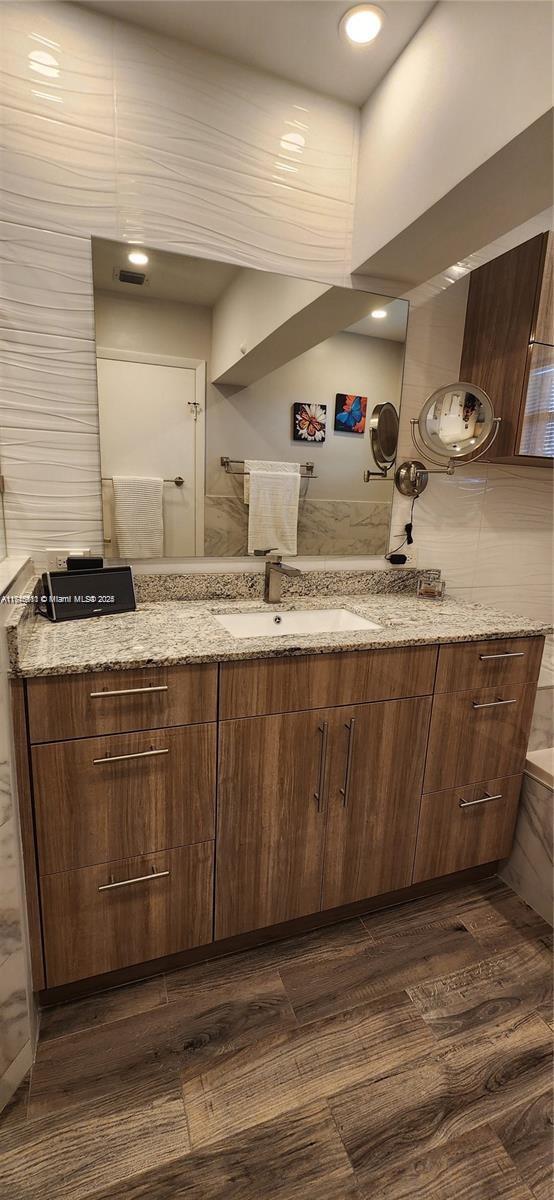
point(138, 258)
point(360, 25)
point(379, 313)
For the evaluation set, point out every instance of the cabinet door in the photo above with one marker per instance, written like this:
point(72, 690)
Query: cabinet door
point(499, 319)
point(377, 757)
point(466, 827)
point(270, 819)
point(478, 735)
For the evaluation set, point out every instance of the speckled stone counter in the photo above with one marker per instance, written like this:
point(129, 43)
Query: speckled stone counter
point(169, 632)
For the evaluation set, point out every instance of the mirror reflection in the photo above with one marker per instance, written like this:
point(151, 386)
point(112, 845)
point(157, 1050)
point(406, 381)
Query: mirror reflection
point(235, 408)
point(456, 420)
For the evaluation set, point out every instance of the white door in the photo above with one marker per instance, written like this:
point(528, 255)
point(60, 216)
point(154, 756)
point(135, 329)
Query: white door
point(148, 426)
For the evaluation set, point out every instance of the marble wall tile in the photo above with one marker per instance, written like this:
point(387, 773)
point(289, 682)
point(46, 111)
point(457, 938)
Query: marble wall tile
point(542, 728)
point(325, 527)
point(529, 869)
point(14, 1013)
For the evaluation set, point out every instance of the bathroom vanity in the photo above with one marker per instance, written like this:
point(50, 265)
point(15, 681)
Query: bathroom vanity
point(186, 807)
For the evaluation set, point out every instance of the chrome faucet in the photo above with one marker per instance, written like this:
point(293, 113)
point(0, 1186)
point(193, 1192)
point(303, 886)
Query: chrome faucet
point(275, 568)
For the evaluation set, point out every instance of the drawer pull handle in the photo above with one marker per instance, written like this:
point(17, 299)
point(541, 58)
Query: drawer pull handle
point(506, 654)
point(483, 800)
point(121, 757)
point(163, 687)
point(323, 729)
point(493, 703)
point(344, 791)
point(107, 887)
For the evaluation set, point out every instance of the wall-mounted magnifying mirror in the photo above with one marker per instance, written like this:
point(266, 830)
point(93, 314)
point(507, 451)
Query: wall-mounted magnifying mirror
point(456, 423)
point(383, 428)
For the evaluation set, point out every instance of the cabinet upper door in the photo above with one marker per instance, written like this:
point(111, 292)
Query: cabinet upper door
point(375, 777)
point(501, 310)
point(271, 819)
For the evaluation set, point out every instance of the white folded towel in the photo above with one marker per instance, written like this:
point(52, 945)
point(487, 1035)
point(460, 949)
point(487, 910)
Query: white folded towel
point(263, 464)
point(138, 517)
point(273, 512)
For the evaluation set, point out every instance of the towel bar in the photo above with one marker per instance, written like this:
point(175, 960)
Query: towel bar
point(226, 464)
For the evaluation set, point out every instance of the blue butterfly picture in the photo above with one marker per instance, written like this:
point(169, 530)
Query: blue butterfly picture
point(350, 413)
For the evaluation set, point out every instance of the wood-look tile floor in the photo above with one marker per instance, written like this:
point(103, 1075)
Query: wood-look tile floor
point(405, 1056)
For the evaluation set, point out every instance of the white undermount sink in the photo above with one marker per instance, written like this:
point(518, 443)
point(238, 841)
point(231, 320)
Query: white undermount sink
point(287, 623)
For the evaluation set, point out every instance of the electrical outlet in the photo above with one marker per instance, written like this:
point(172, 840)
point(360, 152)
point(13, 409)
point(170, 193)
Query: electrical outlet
point(58, 556)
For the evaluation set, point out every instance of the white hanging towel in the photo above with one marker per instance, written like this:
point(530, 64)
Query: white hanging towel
point(138, 517)
point(273, 512)
point(262, 464)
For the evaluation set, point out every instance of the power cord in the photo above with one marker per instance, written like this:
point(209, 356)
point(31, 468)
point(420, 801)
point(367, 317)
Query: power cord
point(408, 540)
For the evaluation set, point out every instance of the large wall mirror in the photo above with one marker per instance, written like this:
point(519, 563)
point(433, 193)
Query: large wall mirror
point(208, 372)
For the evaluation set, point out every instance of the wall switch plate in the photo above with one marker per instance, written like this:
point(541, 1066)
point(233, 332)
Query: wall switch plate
point(58, 556)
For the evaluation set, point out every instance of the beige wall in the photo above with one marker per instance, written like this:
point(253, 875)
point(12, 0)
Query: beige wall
point(256, 422)
point(152, 326)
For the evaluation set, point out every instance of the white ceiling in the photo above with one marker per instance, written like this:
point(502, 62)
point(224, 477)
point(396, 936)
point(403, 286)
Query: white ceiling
point(175, 277)
point(296, 39)
point(391, 328)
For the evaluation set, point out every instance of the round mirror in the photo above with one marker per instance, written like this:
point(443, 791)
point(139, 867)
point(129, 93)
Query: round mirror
point(383, 425)
point(456, 420)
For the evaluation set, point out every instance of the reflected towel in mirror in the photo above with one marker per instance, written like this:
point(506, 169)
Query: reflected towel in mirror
point(263, 464)
point(138, 516)
point(273, 511)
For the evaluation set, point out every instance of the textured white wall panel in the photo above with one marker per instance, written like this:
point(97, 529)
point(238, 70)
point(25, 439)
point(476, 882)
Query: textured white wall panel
point(123, 134)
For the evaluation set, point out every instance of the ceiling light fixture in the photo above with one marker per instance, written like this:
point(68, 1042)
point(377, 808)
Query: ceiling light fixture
point(138, 258)
point(379, 313)
point(360, 25)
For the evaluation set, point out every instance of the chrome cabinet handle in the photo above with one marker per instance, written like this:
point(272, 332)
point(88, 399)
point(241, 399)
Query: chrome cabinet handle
point(323, 729)
point(493, 703)
point(107, 887)
point(483, 800)
point(506, 654)
point(129, 691)
point(122, 757)
point(344, 791)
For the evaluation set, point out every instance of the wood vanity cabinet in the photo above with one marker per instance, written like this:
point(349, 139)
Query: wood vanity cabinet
point(166, 809)
point(508, 347)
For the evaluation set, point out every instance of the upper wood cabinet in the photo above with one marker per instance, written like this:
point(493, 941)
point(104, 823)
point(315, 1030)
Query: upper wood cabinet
point(507, 350)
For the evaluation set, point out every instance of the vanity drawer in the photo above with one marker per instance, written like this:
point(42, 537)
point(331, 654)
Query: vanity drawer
point(164, 905)
point(98, 799)
point(74, 706)
point(466, 827)
point(476, 735)
point(275, 685)
point(487, 664)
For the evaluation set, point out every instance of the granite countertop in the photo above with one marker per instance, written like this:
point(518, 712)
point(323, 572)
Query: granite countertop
point(167, 633)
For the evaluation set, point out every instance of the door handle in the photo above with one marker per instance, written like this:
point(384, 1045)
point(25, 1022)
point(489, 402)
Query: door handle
point(483, 800)
point(129, 691)
point(506, 654)
point(345, 791)
point(323, 729)
point(108, 887)
point(96, 762)
point(493, 703)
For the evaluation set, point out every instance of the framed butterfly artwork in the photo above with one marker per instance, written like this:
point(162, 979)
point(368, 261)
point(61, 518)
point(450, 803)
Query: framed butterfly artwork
point(309, 422)
point(350, 413)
